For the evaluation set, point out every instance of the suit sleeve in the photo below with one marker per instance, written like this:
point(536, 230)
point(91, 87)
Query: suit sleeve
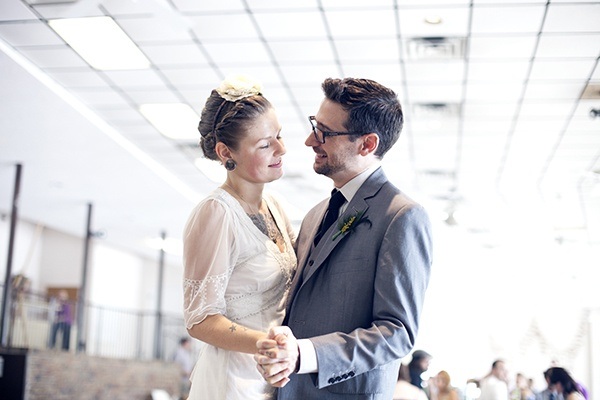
point(402, 269)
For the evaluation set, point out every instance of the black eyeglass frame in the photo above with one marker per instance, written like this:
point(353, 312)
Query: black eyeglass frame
point(313, 124)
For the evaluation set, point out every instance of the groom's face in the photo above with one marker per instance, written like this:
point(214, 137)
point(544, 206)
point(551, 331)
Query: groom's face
point(335, 157)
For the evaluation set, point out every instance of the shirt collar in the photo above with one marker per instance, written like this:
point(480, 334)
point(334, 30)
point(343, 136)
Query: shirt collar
point(350, 188)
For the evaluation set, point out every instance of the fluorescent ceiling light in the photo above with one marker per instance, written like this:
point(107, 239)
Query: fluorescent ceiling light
point(213, 170)
point(100, 42)
point(174, 120)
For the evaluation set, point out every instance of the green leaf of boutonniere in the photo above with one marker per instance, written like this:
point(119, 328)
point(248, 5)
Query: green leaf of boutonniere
point(349, 223)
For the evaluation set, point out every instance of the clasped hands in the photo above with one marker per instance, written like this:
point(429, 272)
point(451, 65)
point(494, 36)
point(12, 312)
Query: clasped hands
point(277, 356)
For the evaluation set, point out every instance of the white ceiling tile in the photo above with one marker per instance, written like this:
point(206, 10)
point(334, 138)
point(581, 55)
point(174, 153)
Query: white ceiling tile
point(310, 74)
point(309, 95)
point(152, 96)
point(365, 50)
point(596, 74)
point(361, 23)
point(78, 9)
point(388, 74)
point(301, 24)
point(33, 33)
point(210, 27)
point(434, 93)
point(572, 18)
point(455, 22)
point(130, 7)
point(197, 97)
point(435, 153)
point(508, 47)
point(569, 45)
point(491, 126)
point(497, 2)
point(585, 124)
point(101, 98)
point(431, 3)
point(546, 109)
point(165, 55)
point(523, 19)
point(552, 91)
point(54, 57)
point(13, 10)
point(290, 6)
point(86, 78)
point(266, 74)
point(208, 6)
point(286, 51)
point(448, 71)
point(478, 110)
point(122, 116)
point(192, 76)
point(506, 91)
point(532, 132)
point(157, 29)
point(355, 3)
point(562, 69)
point(500, 70)
point(143, 78)
point(238, 53)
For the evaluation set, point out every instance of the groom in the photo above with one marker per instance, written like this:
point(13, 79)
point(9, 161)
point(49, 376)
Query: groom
point(354, 306)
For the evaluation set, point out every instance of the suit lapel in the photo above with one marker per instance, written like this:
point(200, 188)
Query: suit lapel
point(358, 204)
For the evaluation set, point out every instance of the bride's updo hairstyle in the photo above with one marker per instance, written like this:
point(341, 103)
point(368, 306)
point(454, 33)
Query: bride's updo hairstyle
point(227, 112)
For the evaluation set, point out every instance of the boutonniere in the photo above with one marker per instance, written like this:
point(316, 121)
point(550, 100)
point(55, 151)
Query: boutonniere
point(350, 223)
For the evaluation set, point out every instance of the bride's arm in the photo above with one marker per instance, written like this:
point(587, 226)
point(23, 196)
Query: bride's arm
point(220, 332)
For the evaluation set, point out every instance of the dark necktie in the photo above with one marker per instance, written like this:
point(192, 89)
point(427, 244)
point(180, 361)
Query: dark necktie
point(332, 213)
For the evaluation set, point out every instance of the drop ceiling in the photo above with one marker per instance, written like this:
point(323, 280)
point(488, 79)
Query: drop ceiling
point(497, 99)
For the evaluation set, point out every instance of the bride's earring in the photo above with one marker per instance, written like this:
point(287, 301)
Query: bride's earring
point(230, 164)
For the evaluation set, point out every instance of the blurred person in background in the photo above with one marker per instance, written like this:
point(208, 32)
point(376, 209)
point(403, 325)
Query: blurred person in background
point(441, 388)
point(63, 319)
point(406, 390)
point(561, 381)
point(418, 364)
point(494, 386)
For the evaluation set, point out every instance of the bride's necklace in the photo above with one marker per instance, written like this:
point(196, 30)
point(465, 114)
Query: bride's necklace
point(263, 221)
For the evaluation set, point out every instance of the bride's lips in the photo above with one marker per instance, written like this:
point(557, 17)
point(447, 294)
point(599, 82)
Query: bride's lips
point(277, 164)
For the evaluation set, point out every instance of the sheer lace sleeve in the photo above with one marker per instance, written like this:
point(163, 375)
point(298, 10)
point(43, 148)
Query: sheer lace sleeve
point(209, 254)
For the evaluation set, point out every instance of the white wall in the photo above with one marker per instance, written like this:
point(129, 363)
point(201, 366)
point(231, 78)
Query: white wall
point(116, 278)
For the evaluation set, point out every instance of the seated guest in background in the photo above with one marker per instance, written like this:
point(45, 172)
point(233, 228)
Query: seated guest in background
point(550, 392)
point(441, 389)
point(564, 384)
point(418, 364)
point(406, 390)
point(495, 385)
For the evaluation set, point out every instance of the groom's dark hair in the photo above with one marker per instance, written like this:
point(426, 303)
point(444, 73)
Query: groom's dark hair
point(371, 107)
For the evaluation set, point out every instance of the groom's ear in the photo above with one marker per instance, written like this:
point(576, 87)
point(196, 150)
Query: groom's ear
point(370, 142)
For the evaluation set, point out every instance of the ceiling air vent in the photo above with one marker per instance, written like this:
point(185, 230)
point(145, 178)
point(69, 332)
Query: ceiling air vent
point(436, 110)
point(434, 48)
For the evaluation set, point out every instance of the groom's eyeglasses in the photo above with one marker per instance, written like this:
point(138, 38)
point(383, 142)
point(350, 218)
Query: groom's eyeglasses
point(320, 134)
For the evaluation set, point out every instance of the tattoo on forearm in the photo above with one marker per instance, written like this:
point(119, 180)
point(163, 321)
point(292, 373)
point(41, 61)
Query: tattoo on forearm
point(234, 327)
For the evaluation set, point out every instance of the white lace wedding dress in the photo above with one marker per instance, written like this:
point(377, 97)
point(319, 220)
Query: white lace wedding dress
point(232, 268)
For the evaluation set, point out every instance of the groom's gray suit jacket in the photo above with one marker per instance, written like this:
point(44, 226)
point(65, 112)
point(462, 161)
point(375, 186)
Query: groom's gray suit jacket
point(358, 297)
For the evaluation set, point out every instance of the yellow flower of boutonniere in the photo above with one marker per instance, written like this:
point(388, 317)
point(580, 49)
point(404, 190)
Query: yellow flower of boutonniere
point(349, 223)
